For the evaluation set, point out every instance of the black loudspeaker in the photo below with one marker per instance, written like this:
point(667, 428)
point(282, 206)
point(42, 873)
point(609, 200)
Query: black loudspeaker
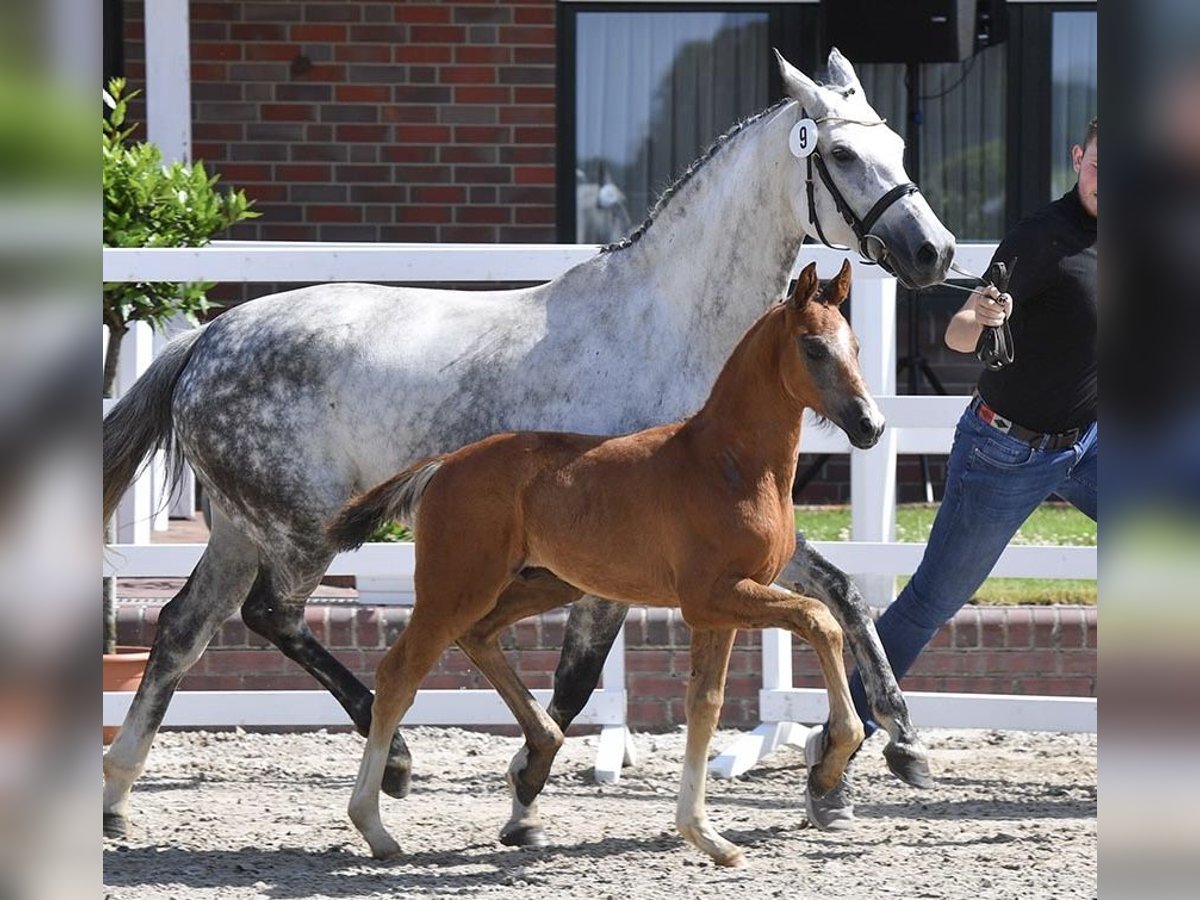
point(901, 31)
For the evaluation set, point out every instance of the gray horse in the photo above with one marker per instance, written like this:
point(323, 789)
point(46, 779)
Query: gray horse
point(289, 405)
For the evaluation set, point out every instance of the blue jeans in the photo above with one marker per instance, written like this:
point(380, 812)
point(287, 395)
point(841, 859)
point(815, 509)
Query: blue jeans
point(993, 483)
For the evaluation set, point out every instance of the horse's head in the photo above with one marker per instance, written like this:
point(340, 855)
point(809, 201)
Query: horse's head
point(820, 357)
point(856, 173)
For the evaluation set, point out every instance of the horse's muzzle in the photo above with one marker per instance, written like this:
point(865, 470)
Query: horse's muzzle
point(863, 424)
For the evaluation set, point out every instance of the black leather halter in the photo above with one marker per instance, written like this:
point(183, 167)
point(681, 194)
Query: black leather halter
point(861, 227)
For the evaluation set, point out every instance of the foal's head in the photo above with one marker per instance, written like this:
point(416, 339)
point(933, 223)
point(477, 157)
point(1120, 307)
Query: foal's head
point(820, 358)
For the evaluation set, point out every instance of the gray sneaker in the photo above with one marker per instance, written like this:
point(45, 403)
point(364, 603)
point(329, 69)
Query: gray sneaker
point(834, 811)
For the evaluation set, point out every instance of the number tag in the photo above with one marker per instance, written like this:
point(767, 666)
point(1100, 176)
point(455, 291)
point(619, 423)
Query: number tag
point(803, 138)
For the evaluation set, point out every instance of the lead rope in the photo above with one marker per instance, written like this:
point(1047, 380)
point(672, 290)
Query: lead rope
point(995, 345)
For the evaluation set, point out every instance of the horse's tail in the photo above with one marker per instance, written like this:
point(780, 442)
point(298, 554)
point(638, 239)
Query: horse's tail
point(141, 423)
point(396, 498)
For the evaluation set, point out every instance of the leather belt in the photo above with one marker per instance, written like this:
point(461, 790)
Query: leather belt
point(1037, 439)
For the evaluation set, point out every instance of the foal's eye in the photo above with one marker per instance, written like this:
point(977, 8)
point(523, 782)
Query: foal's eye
point(842, 154)
point(815, 350)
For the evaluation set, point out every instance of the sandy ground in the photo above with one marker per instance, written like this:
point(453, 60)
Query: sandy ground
point(233, 815)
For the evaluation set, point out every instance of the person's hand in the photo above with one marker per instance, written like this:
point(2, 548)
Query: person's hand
point(992, 306)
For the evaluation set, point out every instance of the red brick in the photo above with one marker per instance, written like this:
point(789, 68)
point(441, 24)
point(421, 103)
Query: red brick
point(225, 50)
point(535, 135)
point(370, 133)
point(527, 34)
point(530, 661)
point(533, 15)
point(482, 94)
point(243, 662)
point(408, 113)
point(362, 53)
point(209, 72)
point(362, 93)
point(421, 53)
point(533, 175)
point(303, 172)
point(287, 112)
point(535, 215)
point(422, 13)
point(1076, 662)
point(481, 134)
point(216, 12)
point(468, 53)
point(467, 75)
point(425, 214)
point(1019, 630)
point(533, 94)
point(534, 56)
point(422, 134)
point(272, 52)
point(421, 154)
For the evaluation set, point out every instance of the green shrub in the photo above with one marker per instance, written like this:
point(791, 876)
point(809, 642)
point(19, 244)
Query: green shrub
point(151, 204)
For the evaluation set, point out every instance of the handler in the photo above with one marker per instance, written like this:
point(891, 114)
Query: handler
point(1029, 432)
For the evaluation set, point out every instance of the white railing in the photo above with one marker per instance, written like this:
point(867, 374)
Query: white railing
point(915, 425)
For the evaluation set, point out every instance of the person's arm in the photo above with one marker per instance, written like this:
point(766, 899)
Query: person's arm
point(985, 307)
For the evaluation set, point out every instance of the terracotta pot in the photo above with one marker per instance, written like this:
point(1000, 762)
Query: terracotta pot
point(123, 671)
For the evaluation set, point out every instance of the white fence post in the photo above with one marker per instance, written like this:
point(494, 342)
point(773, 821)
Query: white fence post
point(873, 472)
point(136, 509)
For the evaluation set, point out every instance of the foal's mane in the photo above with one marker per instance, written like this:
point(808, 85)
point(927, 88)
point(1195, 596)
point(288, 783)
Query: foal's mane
point(634, 236)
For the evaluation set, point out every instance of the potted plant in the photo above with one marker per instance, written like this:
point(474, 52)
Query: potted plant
point(149, 203)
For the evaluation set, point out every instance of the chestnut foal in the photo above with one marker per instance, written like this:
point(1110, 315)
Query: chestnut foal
point(695, 514)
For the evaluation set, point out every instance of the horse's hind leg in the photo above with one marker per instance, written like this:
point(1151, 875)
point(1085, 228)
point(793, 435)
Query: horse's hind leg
point(275, 610)
point(526, 596)
point(186, 625)
point(592, 626)
point(810, 573)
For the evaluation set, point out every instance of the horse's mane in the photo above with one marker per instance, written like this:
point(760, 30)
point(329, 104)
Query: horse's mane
point(634, 236)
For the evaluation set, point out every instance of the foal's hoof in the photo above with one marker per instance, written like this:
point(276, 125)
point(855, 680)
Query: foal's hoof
point(734, 860)
point(397, 781)
point(909, 764)
point(524, 836)
point(115, 825)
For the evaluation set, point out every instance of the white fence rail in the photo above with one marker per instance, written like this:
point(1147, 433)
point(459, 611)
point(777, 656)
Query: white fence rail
point(916, 425)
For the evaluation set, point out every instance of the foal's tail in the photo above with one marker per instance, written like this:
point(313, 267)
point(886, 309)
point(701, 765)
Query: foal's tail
point(141, 423)
point(396, 498)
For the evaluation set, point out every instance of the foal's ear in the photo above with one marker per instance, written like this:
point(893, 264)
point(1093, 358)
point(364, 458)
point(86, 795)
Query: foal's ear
point(804, 288)
point(838, 289)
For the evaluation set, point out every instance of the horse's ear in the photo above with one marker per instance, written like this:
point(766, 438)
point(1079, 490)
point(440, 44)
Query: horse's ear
point(804, 288)
point(797, 85)
point(842, 73)
point(837, 290)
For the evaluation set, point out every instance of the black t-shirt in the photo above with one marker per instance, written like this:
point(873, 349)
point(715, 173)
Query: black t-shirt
point(1050, 386)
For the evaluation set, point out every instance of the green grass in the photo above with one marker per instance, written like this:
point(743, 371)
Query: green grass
point(1050, 524)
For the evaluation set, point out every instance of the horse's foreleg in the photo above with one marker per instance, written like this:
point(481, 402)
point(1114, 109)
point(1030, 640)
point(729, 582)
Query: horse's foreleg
point(279, 617)
point(705, 695)
point(185, 626)
point(810, 573)
point(592, 626)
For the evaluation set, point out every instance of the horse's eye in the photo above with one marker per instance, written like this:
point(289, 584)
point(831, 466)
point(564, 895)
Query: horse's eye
point(815, 350)
point(842, 154)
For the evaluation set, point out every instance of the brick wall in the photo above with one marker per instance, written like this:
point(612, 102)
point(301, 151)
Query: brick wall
point(1017, 650)
point(376, 121)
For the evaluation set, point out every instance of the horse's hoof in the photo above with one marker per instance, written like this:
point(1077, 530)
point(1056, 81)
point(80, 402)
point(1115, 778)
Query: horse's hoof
point(909, 764)
point(115, 825)
point(397, 782)
point(735, 860)
point(525, 836)
point(387, 852)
